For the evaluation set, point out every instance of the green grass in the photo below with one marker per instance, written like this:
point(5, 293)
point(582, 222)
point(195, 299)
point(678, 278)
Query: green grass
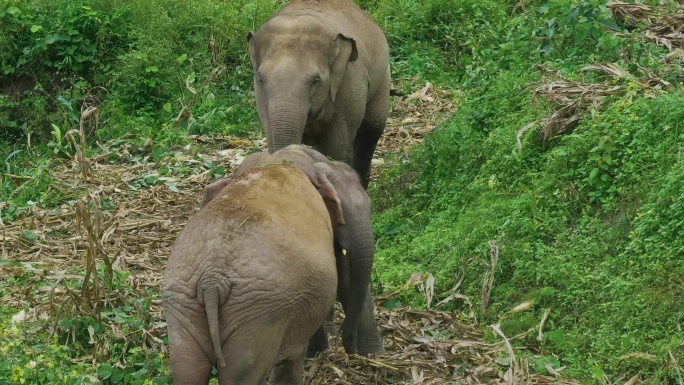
point(592, 248)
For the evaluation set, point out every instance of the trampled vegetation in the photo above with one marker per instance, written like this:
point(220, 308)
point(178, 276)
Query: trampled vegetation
point(545, 208)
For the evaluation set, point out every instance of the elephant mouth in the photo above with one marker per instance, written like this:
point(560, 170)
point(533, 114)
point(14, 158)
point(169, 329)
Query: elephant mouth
point(314, 114)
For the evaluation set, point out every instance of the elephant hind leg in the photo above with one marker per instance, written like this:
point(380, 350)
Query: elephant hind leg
point(289, 372)
point(188, 363)
point(250, 356)
point(318, 343)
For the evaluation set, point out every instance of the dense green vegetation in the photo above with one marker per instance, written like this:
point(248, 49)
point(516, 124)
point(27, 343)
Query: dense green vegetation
point(588, 223)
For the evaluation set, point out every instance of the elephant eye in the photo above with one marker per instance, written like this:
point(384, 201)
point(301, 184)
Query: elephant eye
point(315, 81)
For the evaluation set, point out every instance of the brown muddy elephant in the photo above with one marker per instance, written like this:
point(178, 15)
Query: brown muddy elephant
point(251, 278)
point(322, 78)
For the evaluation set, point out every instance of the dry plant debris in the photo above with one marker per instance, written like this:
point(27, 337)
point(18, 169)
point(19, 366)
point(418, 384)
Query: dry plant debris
point(575, 98)
point(665, 23)
point(131, 226)
point(429, 347)
point(411, 117)
point(665, 26)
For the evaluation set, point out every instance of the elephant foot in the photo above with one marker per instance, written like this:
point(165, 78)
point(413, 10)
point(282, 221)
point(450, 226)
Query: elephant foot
point(367, 351)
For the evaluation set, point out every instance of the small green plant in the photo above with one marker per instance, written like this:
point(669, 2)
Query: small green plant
point(59, 144)
point(600, 175)
point(575, 25)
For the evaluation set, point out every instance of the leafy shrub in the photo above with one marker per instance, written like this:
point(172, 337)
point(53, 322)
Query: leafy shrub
point(574, 26)
point(141, 53)
point(54, 48)
point(121, 343)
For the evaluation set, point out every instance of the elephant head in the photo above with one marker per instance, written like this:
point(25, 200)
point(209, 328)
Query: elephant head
point(298, 67)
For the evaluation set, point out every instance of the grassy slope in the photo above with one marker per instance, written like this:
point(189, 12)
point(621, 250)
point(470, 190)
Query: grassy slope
point(608, 269)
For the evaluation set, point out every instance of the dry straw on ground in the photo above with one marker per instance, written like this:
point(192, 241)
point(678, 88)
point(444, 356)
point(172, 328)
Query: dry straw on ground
point(664, 23)
point(573, 98)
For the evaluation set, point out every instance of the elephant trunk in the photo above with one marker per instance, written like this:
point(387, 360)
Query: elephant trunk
point(287, 119)
point(356, 237)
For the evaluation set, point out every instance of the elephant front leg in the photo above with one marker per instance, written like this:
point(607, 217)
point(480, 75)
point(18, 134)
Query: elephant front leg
point(372, 127)
point(368, 336)
point(364, 147)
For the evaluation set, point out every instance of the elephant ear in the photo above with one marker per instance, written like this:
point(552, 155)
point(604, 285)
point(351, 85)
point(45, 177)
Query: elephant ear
point(252, 49)
point(212, 191)
point(330, 198)
point(344, 51)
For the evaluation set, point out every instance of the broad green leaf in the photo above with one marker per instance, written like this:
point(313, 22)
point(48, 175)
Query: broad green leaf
point(104, 371)
point(594, 173)
point(610, 24)
point(557, 337)
point(540, 364)
point(391, 303)
point(597, 373)
point(117, 376)
point(607, 158)
point(29, 235)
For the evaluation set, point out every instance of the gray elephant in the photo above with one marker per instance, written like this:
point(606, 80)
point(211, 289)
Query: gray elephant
point(322, 78)
point(354, 265)
point(250, 279)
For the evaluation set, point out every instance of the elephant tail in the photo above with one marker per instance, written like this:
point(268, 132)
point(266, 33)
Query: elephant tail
point(212, 296)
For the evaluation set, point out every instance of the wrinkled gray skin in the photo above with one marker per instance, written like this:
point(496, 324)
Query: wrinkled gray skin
point(249, 280)
point(322, 78)
point(359, 330)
